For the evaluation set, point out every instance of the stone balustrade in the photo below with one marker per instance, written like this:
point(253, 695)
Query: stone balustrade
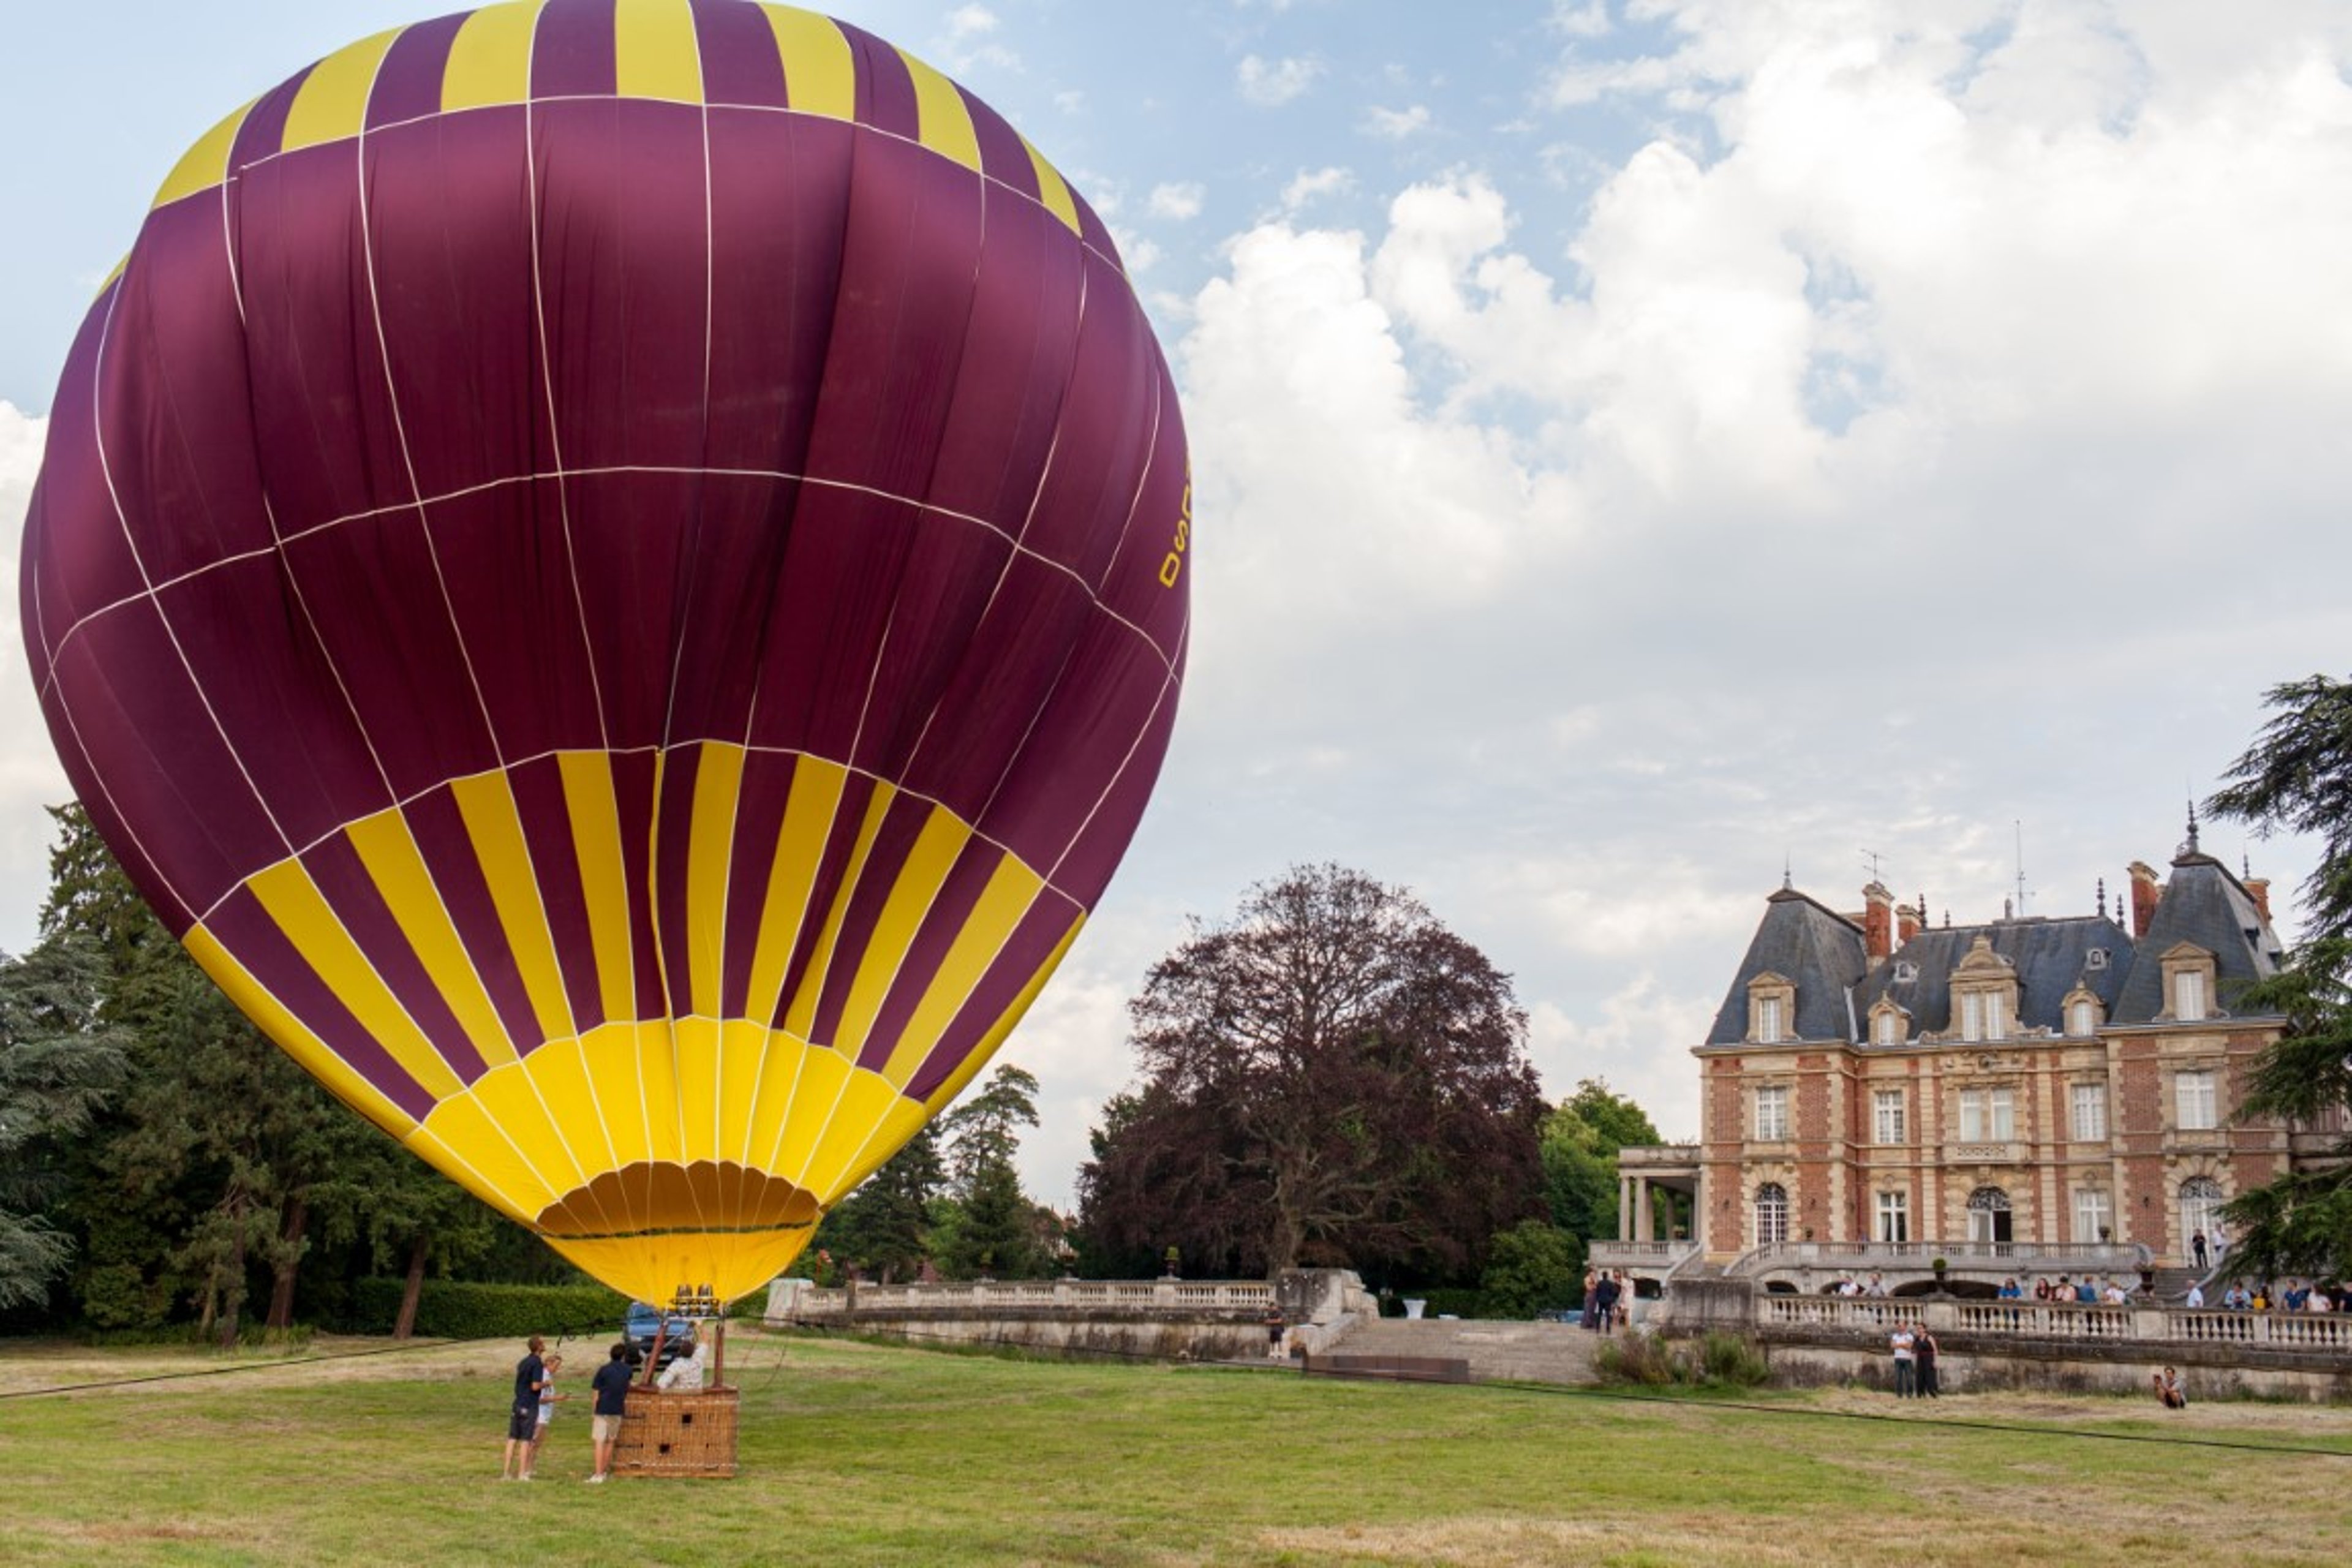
point(2302, 1333)
point(2123, 1260)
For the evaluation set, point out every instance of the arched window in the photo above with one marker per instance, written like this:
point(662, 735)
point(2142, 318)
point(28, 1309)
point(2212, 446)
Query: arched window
point(2201, 1211)
point(1771, 1214)
point(1988, 1216)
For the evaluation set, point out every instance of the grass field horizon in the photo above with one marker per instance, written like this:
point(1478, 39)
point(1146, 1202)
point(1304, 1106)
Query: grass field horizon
point(855, 1453)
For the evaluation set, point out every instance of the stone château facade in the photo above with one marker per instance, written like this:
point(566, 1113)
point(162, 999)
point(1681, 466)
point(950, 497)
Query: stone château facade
point(2037, 1084)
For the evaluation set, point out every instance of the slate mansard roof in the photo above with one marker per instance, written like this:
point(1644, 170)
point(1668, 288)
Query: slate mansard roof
point(2049, 957)
point(1826, 955)
point(2205, 906)
point(1808, 943)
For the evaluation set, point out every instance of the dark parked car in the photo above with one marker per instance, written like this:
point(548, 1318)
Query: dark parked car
point(677, 1337)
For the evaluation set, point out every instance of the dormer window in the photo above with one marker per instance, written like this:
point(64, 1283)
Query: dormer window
point(1886, 1028)
point(1905, 972)
point(2095, 959)
point(2188, 984)
point(1984, 994)
point(1984, 1015)
point(1771, 1009)
point(2084, 1013)
point(2189, 995)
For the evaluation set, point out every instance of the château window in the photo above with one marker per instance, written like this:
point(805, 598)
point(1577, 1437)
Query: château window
point(2189, 995)
point(1767, 1019)
point(2193, 1103)
point(2094, 1216)
point(1987, 1115)
point(1772, 1113)
point(2090, 1112)
point(1984, 1015)
point(1887, 1027)
point(2188, 984)
point(1894, 1216)
point(1887, 1116)
point(2083, 1019)
point(2201, 1211)
point(1771, 1215)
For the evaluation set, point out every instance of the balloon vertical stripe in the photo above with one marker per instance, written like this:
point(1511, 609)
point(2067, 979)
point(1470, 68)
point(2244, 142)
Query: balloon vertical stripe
point(593, 808)
point(397, 871)
point(489, 59)
point(656, 52)
point(946, 123)
point(334, 102)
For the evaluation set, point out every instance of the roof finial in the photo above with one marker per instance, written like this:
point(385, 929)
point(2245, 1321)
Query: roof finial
point(1787, 882)
point(2103, 897)
point(2192, 825)
point(2245, 867)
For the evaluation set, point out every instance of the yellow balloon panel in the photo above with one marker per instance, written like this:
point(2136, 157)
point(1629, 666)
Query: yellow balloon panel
point(847, 957)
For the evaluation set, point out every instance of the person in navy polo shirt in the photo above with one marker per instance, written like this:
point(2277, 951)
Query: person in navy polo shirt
point(612, 1385)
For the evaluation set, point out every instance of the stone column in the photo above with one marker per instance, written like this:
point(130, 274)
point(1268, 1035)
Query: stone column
point(1625, 1209)
point(1645, 1223)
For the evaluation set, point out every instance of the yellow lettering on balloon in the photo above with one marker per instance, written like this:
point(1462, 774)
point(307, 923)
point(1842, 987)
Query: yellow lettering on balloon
point(1173, 566)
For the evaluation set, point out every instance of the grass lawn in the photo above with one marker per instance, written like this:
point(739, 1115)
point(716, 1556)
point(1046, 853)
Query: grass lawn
point(857, 1454)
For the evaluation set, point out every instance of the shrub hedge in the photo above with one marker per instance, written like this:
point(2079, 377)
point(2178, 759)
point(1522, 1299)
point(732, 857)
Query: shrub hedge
point(462, 1310)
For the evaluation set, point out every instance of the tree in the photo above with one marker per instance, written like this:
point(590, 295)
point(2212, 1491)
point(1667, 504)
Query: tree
point(1581, 1140)
point(991, 1227)
point(218, 1146)
point(1331, 1077)
point(982, 1131)
point(998, 1235)
point(2297, 777)
point(90, 895)
point(885, 1224)
point(58, 1065)
point(1533, 1267)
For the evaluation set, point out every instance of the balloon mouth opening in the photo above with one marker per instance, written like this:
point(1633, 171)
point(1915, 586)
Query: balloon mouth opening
point(659, 1195)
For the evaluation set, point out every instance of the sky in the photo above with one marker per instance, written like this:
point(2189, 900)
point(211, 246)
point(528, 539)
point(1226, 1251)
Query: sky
point(1641, 448)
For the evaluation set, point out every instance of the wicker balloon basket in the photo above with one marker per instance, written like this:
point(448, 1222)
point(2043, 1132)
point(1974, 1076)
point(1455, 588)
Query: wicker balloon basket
point(672, 1433)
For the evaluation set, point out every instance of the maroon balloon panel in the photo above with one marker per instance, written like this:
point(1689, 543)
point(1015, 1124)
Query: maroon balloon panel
point(617, 570)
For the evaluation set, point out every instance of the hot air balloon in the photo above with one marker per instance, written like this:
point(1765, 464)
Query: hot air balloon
point(616, 569)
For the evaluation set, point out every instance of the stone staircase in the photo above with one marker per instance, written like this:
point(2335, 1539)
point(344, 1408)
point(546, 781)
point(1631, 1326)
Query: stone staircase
point(1496, 1351)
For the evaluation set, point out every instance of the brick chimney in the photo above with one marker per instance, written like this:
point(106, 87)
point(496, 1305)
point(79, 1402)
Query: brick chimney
point(2145, 892)
point(1907, 921)
point(2259, 889)
point(1878, 921)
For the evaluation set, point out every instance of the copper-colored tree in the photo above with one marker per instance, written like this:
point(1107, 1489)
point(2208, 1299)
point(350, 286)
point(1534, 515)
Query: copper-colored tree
point(1332, 1076)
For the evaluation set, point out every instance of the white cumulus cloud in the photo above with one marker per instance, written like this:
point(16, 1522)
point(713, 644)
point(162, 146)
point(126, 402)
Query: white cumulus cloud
point(1397, 124)
point(1272, 83)
point(30, 777)
point(1179, 201)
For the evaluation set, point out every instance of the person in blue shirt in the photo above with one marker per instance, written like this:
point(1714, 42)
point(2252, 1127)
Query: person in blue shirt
point(611, 1386)
point(522, 1420)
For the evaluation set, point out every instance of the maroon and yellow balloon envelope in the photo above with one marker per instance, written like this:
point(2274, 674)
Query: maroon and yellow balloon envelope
point(616, 569)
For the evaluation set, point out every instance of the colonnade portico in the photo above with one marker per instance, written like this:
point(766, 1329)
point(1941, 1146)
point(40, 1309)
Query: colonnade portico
point(1642, 1176)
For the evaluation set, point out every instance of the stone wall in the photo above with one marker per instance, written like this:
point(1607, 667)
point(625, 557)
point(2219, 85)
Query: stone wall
point(1164, 1319)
